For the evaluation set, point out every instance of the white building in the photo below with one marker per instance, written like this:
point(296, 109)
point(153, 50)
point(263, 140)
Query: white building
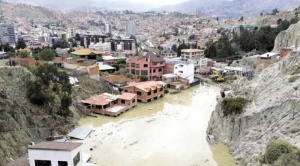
point(70, 32)
point(185, 70)
point(54, 154)
point(105, 46)
point(7, 34)
point(131, 28)
point(108, 29)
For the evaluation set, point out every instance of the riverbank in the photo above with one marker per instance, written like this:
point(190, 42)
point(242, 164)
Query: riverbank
point(169, 131)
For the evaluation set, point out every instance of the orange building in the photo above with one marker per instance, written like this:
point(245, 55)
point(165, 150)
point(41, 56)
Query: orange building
point(108, 104)
point(146, 91)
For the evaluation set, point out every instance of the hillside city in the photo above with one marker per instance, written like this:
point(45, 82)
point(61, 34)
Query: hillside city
point(96, 87)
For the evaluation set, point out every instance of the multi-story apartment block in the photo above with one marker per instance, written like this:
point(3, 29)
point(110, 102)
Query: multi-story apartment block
point(7, 34)
point(148, 64)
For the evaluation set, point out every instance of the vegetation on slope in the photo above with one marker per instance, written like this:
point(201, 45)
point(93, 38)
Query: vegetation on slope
point(233, 105)
point(281, 152)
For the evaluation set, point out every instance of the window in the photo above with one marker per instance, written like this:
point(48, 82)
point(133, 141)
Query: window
point(180, 65)
point(132, 71)
point(161, 89)
point(144, 72)
point(139, 93)
point(145, 65)
point(137, 72)
point(76, 159)
point(137, 66)
point(62, 163)
point(133, 101)
point(125, 90)
point(155, 91)
point(181, 72)
point(132, 64)
point(42, 163)
point(154, 63)
point(149, 93)
point(123, 101)
point(154, 71)
point(159, 70)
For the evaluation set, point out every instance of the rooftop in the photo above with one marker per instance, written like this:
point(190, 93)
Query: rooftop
point(146, 86)
point(102, 99)
point(59, 146)
point(152, 56)
point(86, 52)
point(191, 50)
point(127, 96)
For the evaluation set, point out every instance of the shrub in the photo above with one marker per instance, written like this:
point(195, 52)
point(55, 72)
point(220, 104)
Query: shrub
point(166, 91)
point(143, 78)
point(275, 149)
point(233, 105)
point(287, 159)
point(293, 79)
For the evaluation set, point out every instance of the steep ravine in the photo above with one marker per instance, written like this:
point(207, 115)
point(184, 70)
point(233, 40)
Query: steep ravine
point(20, 121)
point(271, 113)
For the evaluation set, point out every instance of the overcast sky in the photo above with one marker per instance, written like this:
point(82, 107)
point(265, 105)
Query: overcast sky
point(111, 4)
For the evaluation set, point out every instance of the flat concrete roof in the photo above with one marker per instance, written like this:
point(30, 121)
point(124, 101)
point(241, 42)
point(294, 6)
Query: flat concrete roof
point(59, 146)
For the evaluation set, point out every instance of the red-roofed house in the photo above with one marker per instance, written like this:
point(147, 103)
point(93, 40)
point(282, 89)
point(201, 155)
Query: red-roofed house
point(146, 91)
point(108, 104)
point(148, 64)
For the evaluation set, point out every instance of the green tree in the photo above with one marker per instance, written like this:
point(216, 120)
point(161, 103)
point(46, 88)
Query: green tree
point(23, 54)
point(143, 78)
point(49, 86)
point(20, 44)
point(174, 47)
point(181, 47)
point(47, 54)
point(211, 50)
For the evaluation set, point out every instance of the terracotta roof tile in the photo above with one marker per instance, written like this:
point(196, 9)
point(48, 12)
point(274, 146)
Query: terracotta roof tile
point(127, 96)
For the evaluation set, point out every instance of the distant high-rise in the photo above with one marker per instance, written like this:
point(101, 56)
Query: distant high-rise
point(131, 28)
point(108, 29)
point(7, 34)
point(71, 32)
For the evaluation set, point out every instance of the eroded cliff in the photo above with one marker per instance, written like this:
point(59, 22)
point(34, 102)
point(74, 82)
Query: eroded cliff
point(273, 112)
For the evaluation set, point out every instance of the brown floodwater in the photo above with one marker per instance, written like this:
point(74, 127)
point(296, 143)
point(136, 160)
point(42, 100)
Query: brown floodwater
point(168, 131)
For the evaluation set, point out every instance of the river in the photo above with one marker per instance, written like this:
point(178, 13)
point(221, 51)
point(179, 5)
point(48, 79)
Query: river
point(169, 131)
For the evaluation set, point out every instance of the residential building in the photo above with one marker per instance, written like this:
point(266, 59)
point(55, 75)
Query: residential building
point(100, 46)
point(7, 34)
point(146, 91)
point(192, 55)
point(70, 32)
point(185, 70)
point(148, 63)
point(88, 39)
point(175, 82)
point(108, 104)
point(169, 54)
point(108, 29)
point(131, 28)
point(123, 45)
point(87, 54)
point(265, 60)
point(180, 68)
point(54, 154)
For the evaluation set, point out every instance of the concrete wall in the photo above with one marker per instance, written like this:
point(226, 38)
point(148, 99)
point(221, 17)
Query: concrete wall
point(54, 156)
point(185, 71)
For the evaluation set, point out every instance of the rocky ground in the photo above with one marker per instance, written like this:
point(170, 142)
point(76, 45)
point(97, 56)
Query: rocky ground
point(271, 113)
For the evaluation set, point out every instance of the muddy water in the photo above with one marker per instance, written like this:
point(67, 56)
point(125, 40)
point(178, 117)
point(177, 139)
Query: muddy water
point(169, 131)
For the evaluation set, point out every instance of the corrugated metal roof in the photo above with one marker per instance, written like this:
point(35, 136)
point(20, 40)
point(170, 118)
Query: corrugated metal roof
point(80, 132)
